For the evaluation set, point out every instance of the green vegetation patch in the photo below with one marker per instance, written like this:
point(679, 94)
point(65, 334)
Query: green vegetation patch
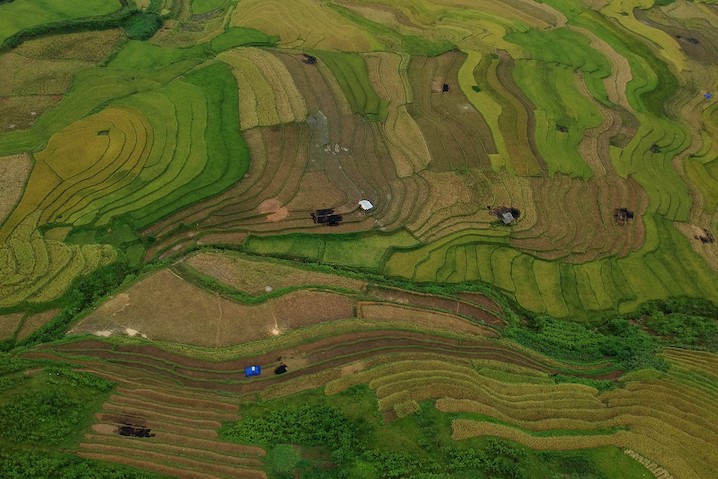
point(20, 15)
point(352, 75)
point(139, 55)
point(416, 446)
point(36, 464)
point(682, 322)
point(242, 37)
point(48, 407)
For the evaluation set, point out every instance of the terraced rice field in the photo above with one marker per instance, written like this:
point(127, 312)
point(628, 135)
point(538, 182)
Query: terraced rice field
point(522, 159)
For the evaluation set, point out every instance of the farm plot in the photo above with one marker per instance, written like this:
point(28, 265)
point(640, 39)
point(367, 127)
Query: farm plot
point(267, 93)
point(476, 313)
point(421, 318)
point(35, 269)
point(164, 307)
point(170, 431)
point(666, 419)
point(254, 276)
point(513, 113)
point(304, 24)
point(407, 146)
point(131, 164)
point(14, 172)
point(91, 47)
point(456, 134)
point(576, 219)
point(9, 324)
point(20, 16)
point(33, 322)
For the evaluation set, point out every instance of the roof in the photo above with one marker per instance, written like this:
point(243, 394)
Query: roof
point(366, 205)
point(507, 218)
point(252, 371)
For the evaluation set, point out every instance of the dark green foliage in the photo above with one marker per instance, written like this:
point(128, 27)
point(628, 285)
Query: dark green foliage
point(312, 425)
point(498, 459)
point(397, 465)
point(11, 364)
point(142, 26)
point(282, 460)
point(618, 339)
point(35, 464)
point(242, 37)
point(572, 465)
point(114, 20)
point(44, 417)
point(685, 322)
point(84, 292)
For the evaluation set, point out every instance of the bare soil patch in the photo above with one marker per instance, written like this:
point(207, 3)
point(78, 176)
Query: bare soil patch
point(164, 307)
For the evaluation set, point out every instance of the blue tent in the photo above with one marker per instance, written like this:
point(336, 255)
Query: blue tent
point(252, 371)
point(708, 96)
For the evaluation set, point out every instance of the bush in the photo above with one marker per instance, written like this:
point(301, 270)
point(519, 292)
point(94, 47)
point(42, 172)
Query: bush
point(142, 26)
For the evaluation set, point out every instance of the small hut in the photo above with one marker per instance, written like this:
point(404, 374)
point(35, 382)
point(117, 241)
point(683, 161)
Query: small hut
point(252, 371)
point(365, 205)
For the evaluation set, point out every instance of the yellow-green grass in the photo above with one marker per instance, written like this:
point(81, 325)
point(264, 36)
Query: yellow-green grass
point(18, 16)
point(204, 6)
point(335, 249)
point(35, 269)
point(37, 76)
point(253, 275)
point(471, 70)
point(91, 46)
point(664, 266)
point(559, 104)
point(140, 55)
point(304, 24)
point(267, 93)
point(350, 71)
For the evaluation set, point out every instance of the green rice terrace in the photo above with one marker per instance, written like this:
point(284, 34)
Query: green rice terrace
point(359, 239)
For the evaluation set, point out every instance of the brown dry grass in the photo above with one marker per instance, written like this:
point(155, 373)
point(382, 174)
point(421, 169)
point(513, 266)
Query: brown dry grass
point(14, 172)
point(420, 317)
point(34, 322)
point(8, 324)
point(254, 275)
point(16, 111)
point(164, 307)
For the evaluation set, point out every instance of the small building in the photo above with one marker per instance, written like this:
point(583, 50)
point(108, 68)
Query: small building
point(252, 371)
point(365, 205)
point(507, 218)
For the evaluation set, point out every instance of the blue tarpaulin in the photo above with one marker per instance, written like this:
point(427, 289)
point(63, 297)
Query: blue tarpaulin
point(252, 371)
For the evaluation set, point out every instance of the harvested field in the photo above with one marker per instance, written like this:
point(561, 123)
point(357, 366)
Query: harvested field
point(164, 307)
point(456, 134)
point(576, 230)
point(255, 275)
point(34, 322)
point(421, 317)
point(470, 311)
point(14, 172)
point(9, 324)
point(190, 445)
